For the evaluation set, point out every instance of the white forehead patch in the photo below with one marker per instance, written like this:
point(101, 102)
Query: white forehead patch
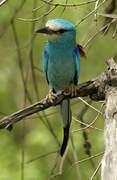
point(53, 26)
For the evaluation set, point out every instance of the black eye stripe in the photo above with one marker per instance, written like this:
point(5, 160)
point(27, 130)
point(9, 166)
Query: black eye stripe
point(60, 31)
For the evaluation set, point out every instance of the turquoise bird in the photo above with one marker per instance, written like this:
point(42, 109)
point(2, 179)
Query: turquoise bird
point(61, 65)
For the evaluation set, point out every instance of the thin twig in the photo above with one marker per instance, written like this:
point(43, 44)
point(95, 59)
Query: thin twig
point(42, 156)
point(92, 107)
point(93, 156)
point(75, 157)
point(87, 159)
point(2, 113)
point(61, 166)
point(90, 13)
point(3, 2)
point(64, 8)
point(100, 30)
point(68, 5)
point(87, 125)
point(54, 167)
point(37, 8)
point(95, 14)
point(98, 167)
point(39, 18)
point(115, 32)
point(113, 16)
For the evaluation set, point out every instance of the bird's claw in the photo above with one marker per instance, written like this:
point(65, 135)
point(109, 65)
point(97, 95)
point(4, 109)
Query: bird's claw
point(51, 96)
point(72, 90)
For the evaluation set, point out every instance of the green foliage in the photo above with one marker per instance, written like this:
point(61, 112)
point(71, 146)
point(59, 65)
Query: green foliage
point(38, 137)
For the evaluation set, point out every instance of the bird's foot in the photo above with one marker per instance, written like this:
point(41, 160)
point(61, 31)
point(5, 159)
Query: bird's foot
point(51, 96)
point(72, 90)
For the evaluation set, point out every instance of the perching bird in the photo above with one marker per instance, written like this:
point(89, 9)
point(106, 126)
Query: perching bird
point(61, 65)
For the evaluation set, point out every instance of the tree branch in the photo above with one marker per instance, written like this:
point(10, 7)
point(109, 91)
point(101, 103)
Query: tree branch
point(95, 88)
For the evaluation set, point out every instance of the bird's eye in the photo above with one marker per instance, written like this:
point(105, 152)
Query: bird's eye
point(62, 31)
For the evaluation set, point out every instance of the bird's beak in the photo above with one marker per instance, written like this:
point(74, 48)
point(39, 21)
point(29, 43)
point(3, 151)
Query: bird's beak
point(43, 30)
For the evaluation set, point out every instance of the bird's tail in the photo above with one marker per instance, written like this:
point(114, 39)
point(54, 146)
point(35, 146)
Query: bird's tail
point(66, 117)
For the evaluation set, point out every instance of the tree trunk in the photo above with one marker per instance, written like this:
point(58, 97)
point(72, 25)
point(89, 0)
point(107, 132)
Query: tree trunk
point(109, 161)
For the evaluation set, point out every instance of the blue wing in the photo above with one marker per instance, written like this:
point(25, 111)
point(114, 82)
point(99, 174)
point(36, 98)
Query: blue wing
point(76, 57)
point(45, 62)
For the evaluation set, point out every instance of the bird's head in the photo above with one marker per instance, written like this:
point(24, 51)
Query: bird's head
point(59, 30)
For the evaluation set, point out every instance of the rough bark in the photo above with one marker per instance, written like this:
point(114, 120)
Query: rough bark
point(109, 161)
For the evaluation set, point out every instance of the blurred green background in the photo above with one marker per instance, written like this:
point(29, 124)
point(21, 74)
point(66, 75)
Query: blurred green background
point(22, 83)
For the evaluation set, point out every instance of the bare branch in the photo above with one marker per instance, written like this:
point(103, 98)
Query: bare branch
point(60, 171)
point(68, 5)
point(98, 167)
point(42, 155)
point(86, 159)
point(87, 125)
point(109, 9)
point(44, 104)
point(115, 32)
point(75, 157)
point(92, 107)
point(39, 18)
point(95, 14)
point(99, 31)
point(90, 13)
point(113, 16)
point(3, 2)
point(93, 156)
